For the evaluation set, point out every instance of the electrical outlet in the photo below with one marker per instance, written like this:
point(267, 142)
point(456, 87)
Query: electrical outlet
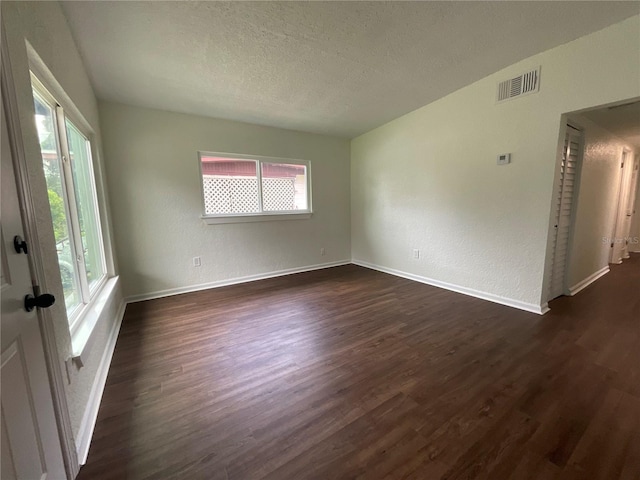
point(322, 252)
point(197, 262)
point(416, 254)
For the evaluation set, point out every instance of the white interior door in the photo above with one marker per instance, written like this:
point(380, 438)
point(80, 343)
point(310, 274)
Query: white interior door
point(30, 442)
point(564, 210)
point(628, 210)
point(620, 221)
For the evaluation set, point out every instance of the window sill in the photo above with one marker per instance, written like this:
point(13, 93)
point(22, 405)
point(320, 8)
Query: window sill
point(83, 337)
point(215, 220)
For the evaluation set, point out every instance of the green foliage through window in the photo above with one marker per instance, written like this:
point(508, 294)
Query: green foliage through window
point(58, 216)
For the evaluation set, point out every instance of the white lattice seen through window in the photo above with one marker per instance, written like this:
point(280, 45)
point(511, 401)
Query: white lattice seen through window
point(252, 186)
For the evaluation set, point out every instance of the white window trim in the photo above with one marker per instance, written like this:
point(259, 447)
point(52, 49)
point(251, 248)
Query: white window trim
point(250, 218)
point(265, 216)
point(82, 337)
point(83, 319)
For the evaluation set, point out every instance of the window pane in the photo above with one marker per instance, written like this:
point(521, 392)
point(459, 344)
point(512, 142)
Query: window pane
point(88, 217)
point(59, 211)
point(229, 186)
point(284, 187)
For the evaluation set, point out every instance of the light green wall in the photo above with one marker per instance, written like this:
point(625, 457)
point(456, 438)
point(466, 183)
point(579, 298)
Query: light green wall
point(154, 183)
point(429, 180)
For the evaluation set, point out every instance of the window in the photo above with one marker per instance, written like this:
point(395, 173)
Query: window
point(68, 169)
point(239, 187)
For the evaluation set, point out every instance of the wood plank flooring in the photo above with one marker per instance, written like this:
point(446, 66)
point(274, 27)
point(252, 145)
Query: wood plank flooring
point(349, 373)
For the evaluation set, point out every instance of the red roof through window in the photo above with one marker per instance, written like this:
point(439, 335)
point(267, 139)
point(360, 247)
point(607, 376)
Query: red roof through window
point(247, 168)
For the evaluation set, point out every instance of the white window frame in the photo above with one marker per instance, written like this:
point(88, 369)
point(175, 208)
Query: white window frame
point(262, 216)
point(89, 296)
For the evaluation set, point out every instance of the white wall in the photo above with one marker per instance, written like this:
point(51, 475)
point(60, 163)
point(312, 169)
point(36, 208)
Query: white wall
point(429, 180)
point(156, 201)
point(43, 25)
point(597, 200)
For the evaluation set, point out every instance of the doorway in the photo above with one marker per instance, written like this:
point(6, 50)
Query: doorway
point(592, 210)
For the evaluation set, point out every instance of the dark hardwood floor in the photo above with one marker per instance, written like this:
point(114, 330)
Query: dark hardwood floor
point(350, 373)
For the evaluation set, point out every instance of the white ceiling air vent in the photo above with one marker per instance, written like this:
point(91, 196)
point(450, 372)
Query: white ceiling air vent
point(523, 84)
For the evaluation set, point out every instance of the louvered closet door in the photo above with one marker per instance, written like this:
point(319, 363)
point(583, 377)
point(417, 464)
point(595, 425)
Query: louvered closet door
point(564, 209)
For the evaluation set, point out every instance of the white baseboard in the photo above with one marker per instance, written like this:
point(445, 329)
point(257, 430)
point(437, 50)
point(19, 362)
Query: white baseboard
point(88, 423)
point(528, 307)
point(232, 281)
point(581, 285)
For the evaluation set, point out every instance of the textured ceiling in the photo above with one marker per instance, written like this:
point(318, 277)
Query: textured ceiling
point(339, 68)
point(623, 121)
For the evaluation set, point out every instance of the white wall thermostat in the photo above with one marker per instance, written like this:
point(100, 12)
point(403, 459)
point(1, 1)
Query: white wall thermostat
point(504, 158)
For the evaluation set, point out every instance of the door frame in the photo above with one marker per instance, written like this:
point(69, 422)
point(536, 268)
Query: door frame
point(633, 200)
point(52, 358)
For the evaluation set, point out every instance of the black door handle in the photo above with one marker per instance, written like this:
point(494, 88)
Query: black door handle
point(19, 244)
point(41, 301)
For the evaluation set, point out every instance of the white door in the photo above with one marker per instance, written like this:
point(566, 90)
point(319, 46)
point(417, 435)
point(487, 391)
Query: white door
point(618, 236)
point(628, 210)
point(30, 442)
point(564, 210)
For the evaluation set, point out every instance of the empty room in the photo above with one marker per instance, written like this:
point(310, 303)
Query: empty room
point(320, 240)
